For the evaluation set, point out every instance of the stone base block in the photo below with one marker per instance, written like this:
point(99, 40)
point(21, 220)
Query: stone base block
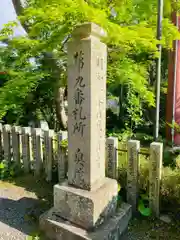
point(88, 209)
point(115, 228)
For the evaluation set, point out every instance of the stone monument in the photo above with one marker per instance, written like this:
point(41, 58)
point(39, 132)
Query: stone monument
point(85, 206)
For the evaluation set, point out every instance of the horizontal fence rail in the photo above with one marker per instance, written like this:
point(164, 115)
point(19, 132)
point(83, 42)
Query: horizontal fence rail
point(140, 152)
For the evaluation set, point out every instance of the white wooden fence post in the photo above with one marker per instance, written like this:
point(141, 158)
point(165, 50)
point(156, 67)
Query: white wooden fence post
point(36, 134)
point(155, 169)
point(48, 154)
point(112, 157)
point(61, 156)
point(16, 131)
point(7, 142)
point(133, 173)
point(26, 132)
point(1, 143)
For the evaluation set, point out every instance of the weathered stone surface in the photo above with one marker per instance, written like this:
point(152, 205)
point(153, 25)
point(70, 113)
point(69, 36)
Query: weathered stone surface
point(26, 146)
point(87, 209)
point(155, 172)
point(113, 229)
point(166, 219)
point(16, 131)
point(7, 142)
point(112, 157)
point(87, 63)
point(87, 199)
point(48, 147)
point(62, 156)
point(37, 150)
point(86, 29)
point(133, 173)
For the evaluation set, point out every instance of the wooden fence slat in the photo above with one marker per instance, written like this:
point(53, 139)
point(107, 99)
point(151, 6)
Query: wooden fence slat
point(133, 173)
point(155, 171)
point(1, 141)
point(36, 135)
point(48, 149)
point(61, 156)
point(7, 142)
point(26, 132)
point(16, 131)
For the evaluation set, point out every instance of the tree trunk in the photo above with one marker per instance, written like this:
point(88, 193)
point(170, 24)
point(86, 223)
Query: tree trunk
point(60, 107)
point(18, 6)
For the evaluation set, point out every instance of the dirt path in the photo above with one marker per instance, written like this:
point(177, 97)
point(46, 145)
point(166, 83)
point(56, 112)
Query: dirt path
point(22, 202)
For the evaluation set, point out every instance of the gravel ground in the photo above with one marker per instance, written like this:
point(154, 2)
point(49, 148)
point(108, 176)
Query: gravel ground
point(153, 230)
point(16, 205)
point(22, 202)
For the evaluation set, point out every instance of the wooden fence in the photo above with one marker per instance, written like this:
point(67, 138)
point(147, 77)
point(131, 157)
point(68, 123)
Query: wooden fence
point(41, 151)
point(34, 149)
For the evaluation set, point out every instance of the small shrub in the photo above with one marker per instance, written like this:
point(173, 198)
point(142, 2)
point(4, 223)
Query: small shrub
point(170, 187)
point(9, 170)
point(170, 183)
point(3, 170)
point(144, 174)
point(169, 159)
point(178, 162)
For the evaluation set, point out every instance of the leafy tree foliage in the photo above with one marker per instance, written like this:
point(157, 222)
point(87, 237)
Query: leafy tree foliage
point(33, 80)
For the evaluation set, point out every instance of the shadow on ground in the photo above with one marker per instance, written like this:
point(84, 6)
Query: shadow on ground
point(37, 185)
point(153, 229)
point(22, 201)
point(22, 214)
point(37, 196)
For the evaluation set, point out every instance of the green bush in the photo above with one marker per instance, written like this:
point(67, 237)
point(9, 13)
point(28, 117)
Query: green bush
point(169, 158)
point(170, 187)
point(170, 183)
point(9, 170)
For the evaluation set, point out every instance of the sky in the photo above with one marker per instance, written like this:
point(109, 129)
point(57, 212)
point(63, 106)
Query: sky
point(7, 13)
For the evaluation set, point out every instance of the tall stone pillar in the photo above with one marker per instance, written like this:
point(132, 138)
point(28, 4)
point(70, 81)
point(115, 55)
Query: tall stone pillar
point(87, 200)
point(87, 63)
